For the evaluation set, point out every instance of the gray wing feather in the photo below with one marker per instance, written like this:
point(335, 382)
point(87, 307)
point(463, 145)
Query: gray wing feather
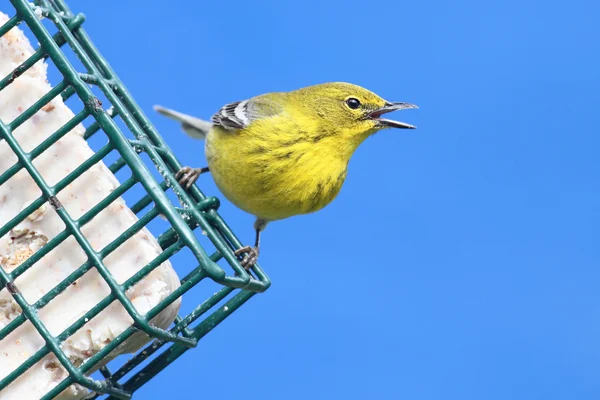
point(194, 127)
point(232, 116)
point(240, 114)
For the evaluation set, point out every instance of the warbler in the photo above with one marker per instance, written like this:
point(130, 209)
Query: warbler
point(282, 154)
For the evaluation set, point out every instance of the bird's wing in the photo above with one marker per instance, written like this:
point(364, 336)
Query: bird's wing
point(194, 127)
point(238, 115)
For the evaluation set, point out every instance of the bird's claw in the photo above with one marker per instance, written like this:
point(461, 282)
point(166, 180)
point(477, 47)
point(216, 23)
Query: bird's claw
point(250, 258)
point(186, 176)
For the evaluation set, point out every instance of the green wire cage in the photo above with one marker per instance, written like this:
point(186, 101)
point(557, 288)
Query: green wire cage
point(193, 222)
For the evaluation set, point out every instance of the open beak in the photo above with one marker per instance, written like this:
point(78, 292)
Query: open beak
point(389, 107)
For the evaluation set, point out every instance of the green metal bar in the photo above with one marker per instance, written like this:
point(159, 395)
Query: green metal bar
point(105, 372)
point(51, 343)
point(139, 321)
point(167, 238)
point(243, 278)
point(109, 199)
point(51, 245)
point(120, 142)
point(81, 270)
point(8, 25)
point(88, 364)
point(37, 203)
point(128, 234)
point(207, 203)
point(28, 310)
point(147, 200)
point(83, 167)
point(92, 79)
point(175, 351)
point(38, 55)
point(11, 326)
point(83, 242)
point(62, 131)
point(27, 161)
point(107, 301)
point(152, 265)
point(95, 126)
point(37, 106)
point(88, 316)
point(66, 95)
point(157, 344)
point(173, 165)
point(192, 279)
point(200, 208)
point(199, 311)
point(88, 216)
point(117, 166)
point(21, 69)
point(156, 156)
point(263, 280)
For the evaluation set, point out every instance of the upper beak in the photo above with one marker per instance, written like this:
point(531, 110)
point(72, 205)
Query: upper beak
point(389, 107)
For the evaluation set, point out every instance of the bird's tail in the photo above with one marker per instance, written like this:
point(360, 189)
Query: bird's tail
point(194, 127)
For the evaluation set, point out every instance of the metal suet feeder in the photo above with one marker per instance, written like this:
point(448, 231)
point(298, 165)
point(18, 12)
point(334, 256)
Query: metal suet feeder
point(86, 201)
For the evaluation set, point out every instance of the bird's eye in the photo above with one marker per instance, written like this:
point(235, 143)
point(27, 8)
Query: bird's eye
point(353, 103)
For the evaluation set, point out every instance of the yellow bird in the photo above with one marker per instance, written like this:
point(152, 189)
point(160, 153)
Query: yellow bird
point(282, 154)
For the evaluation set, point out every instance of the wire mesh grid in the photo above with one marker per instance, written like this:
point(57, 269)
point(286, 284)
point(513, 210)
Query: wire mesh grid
point(142, 151)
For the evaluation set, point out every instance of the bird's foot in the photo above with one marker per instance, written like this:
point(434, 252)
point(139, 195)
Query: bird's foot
point(186, 176)
point(250, 258)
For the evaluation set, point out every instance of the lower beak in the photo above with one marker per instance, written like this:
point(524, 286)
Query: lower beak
point(388, 123)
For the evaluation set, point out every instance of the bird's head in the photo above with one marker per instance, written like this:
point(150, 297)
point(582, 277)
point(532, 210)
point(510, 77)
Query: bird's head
point(350, 109)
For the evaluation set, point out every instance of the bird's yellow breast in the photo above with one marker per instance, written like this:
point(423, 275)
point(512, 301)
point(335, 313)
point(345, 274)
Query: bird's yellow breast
point(277, 168)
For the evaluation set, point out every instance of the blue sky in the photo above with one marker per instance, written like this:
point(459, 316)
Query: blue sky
point(460, 260)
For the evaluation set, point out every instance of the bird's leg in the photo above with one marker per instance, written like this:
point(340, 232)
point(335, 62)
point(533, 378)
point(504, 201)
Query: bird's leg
point(252, 252)
point(186, 176)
